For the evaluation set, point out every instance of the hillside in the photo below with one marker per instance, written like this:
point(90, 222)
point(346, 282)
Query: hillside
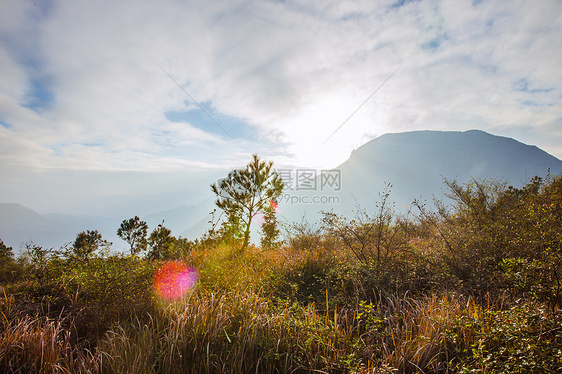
point(415, 164)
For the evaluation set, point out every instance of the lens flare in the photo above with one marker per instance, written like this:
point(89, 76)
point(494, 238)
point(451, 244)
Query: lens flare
point(275, 206)
point(258, 218)
point(173, 280)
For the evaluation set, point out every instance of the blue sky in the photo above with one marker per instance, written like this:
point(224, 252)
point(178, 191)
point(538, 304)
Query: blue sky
point(92, 120)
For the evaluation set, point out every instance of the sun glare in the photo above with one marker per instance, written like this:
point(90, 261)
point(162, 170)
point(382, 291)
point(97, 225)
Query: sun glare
point(325, 133)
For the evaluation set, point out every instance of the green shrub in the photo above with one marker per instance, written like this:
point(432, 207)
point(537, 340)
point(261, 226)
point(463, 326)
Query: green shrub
point(106, 290)
point(522, 339)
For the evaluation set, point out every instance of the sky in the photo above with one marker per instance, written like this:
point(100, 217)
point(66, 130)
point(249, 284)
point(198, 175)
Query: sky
point(135, 106)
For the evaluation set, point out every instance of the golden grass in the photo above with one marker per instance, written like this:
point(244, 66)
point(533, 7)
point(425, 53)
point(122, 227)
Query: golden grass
point(229, 323)
point(33, 345)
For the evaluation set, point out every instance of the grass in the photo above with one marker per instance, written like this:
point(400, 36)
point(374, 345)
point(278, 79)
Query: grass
point(34, 345)
point(240, 324)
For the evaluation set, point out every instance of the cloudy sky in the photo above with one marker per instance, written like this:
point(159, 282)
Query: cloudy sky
point(133, 106)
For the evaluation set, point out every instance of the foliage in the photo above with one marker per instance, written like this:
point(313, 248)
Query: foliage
point(491, 227)
point(37, 258)
point(9, 268)
point(160, 243)
point(522, 339)
point(374, 241)
point(106, 290)
point(6, 253)
point(245, 192)
point(134, 232)
point(87, 243)
point(304, 235)
point(270, 229)
point(226, 231)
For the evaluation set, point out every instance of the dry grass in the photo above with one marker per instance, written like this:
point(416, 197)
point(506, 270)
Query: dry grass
point(32, 345)
point(239, 329)
point(239, 332)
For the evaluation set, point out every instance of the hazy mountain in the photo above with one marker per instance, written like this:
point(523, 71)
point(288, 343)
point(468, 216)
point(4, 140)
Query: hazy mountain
point(186, 221)
point(414, 163)
point(20, 225)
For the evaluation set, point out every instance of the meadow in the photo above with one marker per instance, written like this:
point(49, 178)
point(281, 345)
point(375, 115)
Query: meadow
point(470, 287)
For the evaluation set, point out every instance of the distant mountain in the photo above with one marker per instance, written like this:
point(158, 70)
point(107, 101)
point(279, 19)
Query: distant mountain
point(16, 221)
point(415, 164)
point(20, 225)
point(186, 221)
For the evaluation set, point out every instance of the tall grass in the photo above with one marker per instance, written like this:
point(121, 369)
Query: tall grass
point(243, 329)
point(238, 332)
point(33, 345)
point(242, 332)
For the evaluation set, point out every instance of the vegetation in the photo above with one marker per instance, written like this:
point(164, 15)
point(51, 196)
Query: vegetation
point(134, 231)
point(245, 193)
point(469, 287)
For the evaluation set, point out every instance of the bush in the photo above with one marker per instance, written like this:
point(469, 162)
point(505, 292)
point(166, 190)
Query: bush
point(107, 290)
point(472, 287)
point(523, 339)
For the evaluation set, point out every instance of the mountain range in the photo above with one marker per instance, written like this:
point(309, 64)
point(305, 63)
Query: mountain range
point(411, 165)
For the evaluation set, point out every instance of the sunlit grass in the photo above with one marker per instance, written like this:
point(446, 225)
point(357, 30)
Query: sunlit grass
point(34, 345)
point(229, 322)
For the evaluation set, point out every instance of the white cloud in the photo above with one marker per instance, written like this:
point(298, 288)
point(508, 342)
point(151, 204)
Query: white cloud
point(288, 72)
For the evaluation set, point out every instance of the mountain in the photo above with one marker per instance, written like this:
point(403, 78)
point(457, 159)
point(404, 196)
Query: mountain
point(415, 164)
point(186, 221)
point(16, 222)
point(20, 225)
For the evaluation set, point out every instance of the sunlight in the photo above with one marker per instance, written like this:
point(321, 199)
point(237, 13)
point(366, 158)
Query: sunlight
point(323, 135)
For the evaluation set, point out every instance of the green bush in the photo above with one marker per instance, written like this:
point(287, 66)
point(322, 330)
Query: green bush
point(106, 290)
point(472, 287)
point(522, 339)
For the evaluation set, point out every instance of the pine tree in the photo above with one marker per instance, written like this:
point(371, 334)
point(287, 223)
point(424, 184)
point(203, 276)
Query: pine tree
point(244, 192)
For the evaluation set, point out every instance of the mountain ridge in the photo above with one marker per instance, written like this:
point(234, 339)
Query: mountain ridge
point(414, 163)
point(462, 155)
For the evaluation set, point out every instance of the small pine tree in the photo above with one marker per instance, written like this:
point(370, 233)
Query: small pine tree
point(6, 253)
point(270, 229)
point(161, 243)
point(244, 192)
point(88, 242)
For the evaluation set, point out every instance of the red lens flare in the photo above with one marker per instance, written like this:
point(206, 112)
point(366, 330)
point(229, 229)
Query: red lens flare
point(275, 206)
point(173, 280)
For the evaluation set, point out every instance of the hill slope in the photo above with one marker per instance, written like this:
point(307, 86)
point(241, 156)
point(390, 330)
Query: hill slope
point(20, 225)
point(415, 164)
